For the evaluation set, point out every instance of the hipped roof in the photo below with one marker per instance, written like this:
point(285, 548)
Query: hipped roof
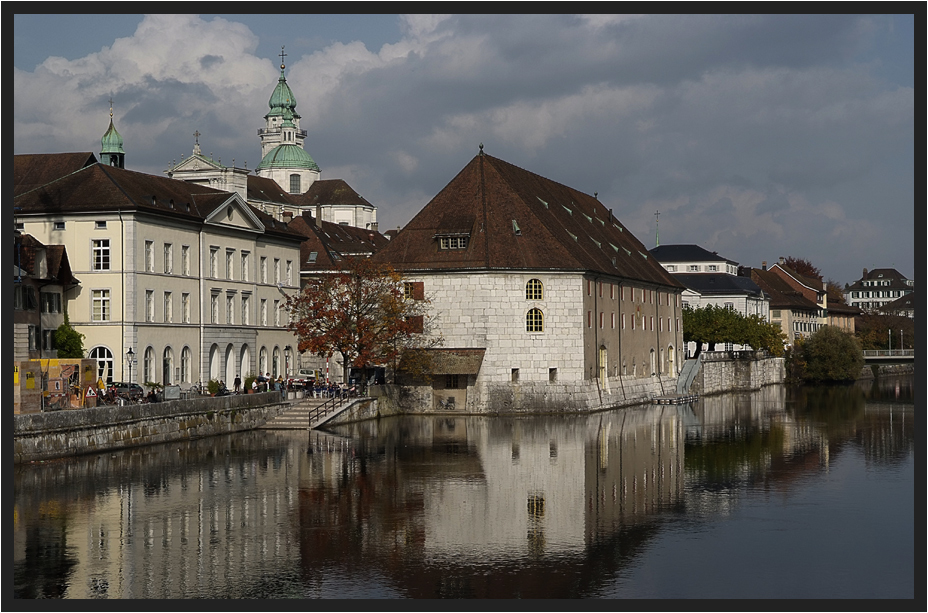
point(518, 220)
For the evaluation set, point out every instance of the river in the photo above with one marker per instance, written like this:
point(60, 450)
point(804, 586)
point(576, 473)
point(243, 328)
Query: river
point(780, 493)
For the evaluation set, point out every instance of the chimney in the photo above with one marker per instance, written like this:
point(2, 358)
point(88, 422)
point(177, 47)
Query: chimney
point(865, 274)
point(318, 215)
point(763, 265)
point(782, 260)
point(288, 216)
point(375, 226)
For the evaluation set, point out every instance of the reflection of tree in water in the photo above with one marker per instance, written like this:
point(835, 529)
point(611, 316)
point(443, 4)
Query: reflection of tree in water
point(736, 455)
point(48, 563)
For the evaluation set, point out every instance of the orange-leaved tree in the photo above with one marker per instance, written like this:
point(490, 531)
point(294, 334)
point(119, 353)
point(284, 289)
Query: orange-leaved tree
point(359, 312)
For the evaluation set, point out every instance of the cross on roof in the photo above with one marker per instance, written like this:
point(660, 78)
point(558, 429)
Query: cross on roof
point(282, 56)
point(196, 136)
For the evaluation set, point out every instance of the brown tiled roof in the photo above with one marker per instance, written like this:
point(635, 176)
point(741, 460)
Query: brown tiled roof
point(332, 238)
point(782, 294)
point(59, 267)
point(903, 303)
point(843, 309)
point(37, 169)
point(106, 188)
point(332, 191)
point(264, 189)
point(516, 219)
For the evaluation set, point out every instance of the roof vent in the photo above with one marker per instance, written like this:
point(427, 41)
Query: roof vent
point(515, 228)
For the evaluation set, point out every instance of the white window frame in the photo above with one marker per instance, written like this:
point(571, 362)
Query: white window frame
point(100, 254)
point(100, 297)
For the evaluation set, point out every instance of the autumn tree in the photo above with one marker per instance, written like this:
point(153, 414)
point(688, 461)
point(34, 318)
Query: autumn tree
point(360, 312)
point(874, 331)
point(835, 292)
point(803, 267)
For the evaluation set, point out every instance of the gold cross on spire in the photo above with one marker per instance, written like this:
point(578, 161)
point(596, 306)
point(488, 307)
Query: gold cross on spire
point(282, 56)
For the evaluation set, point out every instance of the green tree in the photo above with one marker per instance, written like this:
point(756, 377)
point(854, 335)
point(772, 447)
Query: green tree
point(70, 342)
point(830, 355)
point(715, 324)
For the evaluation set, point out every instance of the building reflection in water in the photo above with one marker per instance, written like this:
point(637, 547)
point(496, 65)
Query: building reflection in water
point(424, 506)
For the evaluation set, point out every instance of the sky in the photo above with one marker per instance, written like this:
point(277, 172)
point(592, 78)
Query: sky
point(753, 136)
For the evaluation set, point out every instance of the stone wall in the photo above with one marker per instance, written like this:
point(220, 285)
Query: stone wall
point(43, 436)
point(733, 373)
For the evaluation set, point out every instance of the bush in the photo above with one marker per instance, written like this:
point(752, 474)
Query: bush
point(212, 386)
point(829, 355)
point(249, 379)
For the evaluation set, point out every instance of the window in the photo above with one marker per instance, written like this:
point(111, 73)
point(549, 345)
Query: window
point(99, 225)
point(453, 242)
point(264, 311)
point(414, 290)
point(104, 359)
point(775, 313)
point(552, 375)
point(534, 290)
point(245, 310)
point(214, 308)
point(33, 338)
point(589, 288)
point(671, 268)
point(515, 375)
point(245, 265)
point(612, 291)
point(451, 382)
point(100, 252)
point(294, 184)
point(59, 225)
point(148, 365)
point(213, 262)
point(730, 306)
point(185, 260)
point(600, 289)
point(623, 321)
point(230, 309)
point(713, 268)
point(277, 312)
point(186, 361)
point(612, 320)
point(289, 272)
point(534, 321)
point(150, 256)
point(694, 267)
point(263, 269)
point(168, 308)
point(100, 304)
point(230, 258)
point(51, 302)
point(277, 270)
point(589, 319)
point(168, 259)
point(601, 320)
point(48, 340)
point(149, 305)
point(185, 307)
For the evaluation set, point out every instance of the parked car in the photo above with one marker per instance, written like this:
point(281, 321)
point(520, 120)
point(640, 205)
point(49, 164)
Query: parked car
point(304, 377)
point(132, 391)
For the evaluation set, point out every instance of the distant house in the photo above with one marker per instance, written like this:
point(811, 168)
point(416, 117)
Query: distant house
point(712, 280)
point(549, 299)
point(878, 287)
point(900, 307)
point(797, 315)
point(41, 276)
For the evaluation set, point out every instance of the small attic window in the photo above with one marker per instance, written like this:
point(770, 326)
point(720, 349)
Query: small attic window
point(59, 225)
point(154, 201)
point(187, 206)
point(171, 203)
point(312, 257)
point(452, 242)
point(100, 225)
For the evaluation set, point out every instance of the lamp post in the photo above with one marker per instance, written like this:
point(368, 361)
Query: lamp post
point(901, 344)
point(129, 355)
point(890, 340)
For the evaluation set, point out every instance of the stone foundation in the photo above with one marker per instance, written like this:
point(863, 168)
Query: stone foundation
point(43, 436)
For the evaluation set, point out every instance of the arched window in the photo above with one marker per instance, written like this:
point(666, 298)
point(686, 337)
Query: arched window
point(104, 358)
point(275, 364)
point(534, 321)
point(214, 361)
point(262, 361)
point(186, 364)
point(534, 290)
point(148, 365)
point(294, 184)
point(167, 366)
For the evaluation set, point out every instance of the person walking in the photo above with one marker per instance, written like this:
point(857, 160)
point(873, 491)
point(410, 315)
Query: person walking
point(237, 384)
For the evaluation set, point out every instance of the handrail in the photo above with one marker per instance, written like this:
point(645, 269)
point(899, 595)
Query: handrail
point(888, 352)
point(329, 405)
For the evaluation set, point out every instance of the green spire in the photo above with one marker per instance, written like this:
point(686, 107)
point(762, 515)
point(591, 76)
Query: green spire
point(111, 141)
point(282, 98)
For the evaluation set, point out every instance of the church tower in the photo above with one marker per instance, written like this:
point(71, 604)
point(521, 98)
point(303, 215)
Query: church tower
point(111, 151)
point(283, 158)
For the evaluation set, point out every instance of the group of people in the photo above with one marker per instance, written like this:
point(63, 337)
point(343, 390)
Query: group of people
point(331, 390)
point(263, 383)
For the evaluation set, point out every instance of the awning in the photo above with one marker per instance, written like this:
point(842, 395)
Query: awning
point(446, 361)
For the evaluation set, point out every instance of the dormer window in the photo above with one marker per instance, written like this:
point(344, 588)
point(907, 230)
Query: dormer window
point(453, 242)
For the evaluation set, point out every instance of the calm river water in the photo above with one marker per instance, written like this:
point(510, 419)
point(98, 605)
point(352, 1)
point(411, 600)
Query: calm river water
point(804, 493)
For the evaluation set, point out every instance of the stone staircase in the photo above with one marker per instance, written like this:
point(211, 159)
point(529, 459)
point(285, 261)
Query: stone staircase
point(296, 417)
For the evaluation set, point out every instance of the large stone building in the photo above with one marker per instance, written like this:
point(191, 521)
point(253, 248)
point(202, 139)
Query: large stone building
point(547, 298)
point(188, 277)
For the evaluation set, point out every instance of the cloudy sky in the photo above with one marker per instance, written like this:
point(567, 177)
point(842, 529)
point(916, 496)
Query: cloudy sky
point(753, 136)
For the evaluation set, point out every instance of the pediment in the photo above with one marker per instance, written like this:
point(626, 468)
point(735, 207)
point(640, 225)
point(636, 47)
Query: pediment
point(230, 211)
point(196, 163)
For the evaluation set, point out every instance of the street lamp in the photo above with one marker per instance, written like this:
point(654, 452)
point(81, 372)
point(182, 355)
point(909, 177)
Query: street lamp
point(901, 344)
point(129, 355)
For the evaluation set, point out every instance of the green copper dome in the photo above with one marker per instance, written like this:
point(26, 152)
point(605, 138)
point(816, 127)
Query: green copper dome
point(282, 98)
point(288, 156)
point(111, 141)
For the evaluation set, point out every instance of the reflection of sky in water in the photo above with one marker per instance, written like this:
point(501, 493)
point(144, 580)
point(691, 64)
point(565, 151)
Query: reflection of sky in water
point(753, 495)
